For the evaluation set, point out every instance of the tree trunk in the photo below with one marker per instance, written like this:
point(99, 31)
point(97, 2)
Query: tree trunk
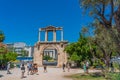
point(117, 18)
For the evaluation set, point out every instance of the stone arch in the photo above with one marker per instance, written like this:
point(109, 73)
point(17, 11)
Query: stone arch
point(41, 46)
point(53, 52)
point(46, 46)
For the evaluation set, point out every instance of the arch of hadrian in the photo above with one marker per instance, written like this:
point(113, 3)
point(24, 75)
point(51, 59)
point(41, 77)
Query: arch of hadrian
point(50, 46)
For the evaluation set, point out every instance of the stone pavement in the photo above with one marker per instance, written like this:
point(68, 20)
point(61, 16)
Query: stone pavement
point(52, 74)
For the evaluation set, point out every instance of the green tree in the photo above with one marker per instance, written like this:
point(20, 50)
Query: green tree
point(79, 51)
point(106, 12)
point(108, 21)
point(5, 55)
point(99, 10)
point(11, 56)
point(3, 49)
point(75, 57)
point(47, 57)
point(2, 37)
point(1, 57)
point(106, 46)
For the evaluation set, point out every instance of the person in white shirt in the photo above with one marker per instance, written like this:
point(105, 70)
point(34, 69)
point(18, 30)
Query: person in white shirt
point(8, 68)
point(87, 66)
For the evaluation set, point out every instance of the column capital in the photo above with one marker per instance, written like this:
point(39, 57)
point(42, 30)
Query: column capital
point(39, 29)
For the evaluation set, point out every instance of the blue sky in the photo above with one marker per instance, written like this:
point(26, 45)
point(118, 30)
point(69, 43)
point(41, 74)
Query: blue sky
point(21, 19)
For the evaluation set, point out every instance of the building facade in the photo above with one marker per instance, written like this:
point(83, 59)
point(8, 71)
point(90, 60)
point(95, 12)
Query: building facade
point(20, 47)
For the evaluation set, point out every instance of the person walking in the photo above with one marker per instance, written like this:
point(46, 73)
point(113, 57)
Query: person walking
point(63, 66)
point(45, 68)
point(36, 69)
point(87, 66)
point(84, 67)
point(28, 67)
point(112, 67)
point(68, 67)
point(23, 71)
point(8, 68)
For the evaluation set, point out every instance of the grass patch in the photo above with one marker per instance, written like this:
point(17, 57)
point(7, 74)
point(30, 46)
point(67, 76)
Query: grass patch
point(114, 76)
point(82, 76)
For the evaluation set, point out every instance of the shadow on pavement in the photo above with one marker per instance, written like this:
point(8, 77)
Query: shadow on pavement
point(1, 75)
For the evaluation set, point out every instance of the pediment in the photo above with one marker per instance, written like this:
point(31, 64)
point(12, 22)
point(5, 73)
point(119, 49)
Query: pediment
point(51, 27)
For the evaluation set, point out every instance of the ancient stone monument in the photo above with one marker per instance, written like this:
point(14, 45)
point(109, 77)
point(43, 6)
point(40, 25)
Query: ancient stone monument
point(54, 48)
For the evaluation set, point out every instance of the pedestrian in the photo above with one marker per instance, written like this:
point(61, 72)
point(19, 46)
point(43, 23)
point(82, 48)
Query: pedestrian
point(87, 66)
point(45, 68)
point(2, 66)
point(68, 66)
point(23, 71)
point(63, 66)
point(112, 67)
point(28, 67)
point(36, 69)
point(8, 68)
point(32, 68)
point(84, 67)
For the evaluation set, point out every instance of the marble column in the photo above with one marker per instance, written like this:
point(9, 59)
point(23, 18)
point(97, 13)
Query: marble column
point(39, 35)
point(54, 35)
point(52, 53)
point(61, 35)
point(46, 35)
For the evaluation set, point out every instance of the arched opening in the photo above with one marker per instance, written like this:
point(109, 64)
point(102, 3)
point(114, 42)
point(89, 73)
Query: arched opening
point(50, 56)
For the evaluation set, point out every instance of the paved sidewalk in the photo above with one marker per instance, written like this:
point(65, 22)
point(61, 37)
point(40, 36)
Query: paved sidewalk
point(52, 74)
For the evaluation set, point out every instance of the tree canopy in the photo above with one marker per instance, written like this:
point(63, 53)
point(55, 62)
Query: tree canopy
point(106, 14)
point(5, 54)
point(102, 10)
point(2, 36)
point(79, 51)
